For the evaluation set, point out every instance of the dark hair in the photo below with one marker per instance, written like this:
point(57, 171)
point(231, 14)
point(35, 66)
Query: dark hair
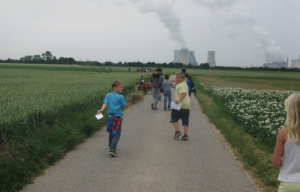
point(142, 76)
point(166, 76)
point(189, 77)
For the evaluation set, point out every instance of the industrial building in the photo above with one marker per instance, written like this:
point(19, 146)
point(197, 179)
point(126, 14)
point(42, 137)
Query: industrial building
point(185, 56)
point(211, 58)
point(276, 64)
point(296, 63)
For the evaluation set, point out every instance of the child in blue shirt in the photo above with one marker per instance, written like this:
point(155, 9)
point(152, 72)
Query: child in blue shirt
point(191, 86)
point(114, 101)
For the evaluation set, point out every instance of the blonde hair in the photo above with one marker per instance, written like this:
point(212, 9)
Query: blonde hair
point(292, 107)
point(116, 83)
point(180, 74)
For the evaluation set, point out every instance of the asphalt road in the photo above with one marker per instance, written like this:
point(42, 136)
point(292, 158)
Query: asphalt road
point(149, 158)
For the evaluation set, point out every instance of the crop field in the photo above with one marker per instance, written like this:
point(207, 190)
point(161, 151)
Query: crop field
point(25, 92)
point(261, 113)
point(256, 103)
point(45, 113)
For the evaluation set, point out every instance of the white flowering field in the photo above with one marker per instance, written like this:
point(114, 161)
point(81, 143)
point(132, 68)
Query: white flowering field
point(261, 113)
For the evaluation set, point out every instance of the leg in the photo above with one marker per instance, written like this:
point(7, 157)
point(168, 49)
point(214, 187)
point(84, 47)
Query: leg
point(157, 92)
point(174, 120)
point(165, 100)
point(185, 114)
point(153, 95)
point(170, 99)
point(186, 128)
point(110, 139)
point(116, 138)
point(176, 126)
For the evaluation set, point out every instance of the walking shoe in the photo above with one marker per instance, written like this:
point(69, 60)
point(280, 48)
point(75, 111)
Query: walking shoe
point(177, 134)
point(185, 137)
point(112, 153)
point(169, 109)
point(165, 109)
point(152, 106)
point(155, 108)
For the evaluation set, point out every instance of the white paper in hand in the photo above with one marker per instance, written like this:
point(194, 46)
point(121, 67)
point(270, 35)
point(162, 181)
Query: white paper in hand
point(99, 116)
point(175, 106)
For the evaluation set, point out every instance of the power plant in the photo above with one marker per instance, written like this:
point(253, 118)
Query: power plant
point(185, 56)
point(295, 63)
point(211, 58)
point(276, 64)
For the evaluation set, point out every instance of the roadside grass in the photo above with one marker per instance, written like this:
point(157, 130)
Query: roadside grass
point(28, 147)
point(255, 156)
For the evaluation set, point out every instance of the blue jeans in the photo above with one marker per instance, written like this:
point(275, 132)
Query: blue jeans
point(114, 139)
point(167, 95)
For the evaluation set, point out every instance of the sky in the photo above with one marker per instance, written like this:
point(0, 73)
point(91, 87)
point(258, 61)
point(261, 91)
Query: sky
point(242, 33)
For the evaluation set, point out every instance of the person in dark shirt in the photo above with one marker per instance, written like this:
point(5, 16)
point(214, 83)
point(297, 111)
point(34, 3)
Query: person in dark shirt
point(156, 81)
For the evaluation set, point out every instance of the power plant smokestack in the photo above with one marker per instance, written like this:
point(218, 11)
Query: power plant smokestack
point(184, 56)
point(211, 58)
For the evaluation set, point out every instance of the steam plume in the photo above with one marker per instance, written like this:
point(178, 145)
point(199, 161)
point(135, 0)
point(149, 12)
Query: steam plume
point(228, 16)
point(165, 11)
point(269, 47)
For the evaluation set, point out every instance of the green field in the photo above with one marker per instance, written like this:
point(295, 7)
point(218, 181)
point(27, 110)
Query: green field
point(46, 111)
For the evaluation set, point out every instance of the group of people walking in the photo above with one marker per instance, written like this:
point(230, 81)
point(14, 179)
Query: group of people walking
point(287, 150)
point(162, 85)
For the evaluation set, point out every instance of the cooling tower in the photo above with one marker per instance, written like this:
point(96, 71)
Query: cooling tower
point(211, 58)
point(295, 63)
point(184, 56)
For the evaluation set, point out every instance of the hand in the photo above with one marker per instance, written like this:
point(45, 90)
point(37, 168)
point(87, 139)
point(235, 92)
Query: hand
point(177, 101)
point(100, 111)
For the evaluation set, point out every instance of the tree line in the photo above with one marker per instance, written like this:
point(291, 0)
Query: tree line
point(48, 58)
point(45, 58)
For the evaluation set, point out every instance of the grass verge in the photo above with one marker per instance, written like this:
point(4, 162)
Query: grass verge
point(255, 156)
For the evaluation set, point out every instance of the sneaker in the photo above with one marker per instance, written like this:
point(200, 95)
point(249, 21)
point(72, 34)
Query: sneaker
point(155, 108)
point(165, 109)
point(177, 134)
point(169, 109)
point(112, 153)
point(152, 106)
point(185, 137)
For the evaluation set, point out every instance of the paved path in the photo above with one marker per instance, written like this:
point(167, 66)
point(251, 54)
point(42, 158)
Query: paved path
point(149, 159)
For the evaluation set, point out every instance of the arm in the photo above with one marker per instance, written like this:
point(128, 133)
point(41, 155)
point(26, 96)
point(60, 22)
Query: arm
point(278, 151)
point(128, 105)
point(102, 109)
point(181, 98)
point(172, 85)
point(172, 80)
